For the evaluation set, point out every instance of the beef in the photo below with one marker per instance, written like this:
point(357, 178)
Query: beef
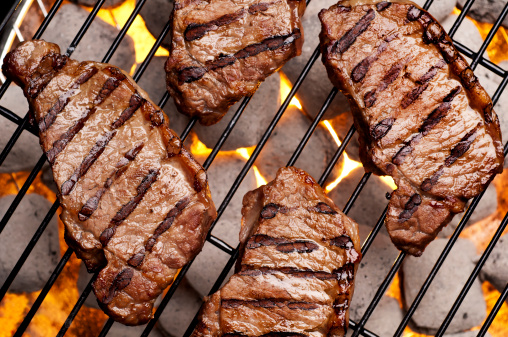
point(422, 115)
point(221, 50)
point(135, 204)
point(298, 258)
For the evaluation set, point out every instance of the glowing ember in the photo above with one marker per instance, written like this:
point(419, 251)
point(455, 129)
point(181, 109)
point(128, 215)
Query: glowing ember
point(285, 88)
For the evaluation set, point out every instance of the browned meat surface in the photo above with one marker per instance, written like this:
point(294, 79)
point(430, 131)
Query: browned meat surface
point(135, 204)
point(422, 115)
point(295, 275)
point(221, 50)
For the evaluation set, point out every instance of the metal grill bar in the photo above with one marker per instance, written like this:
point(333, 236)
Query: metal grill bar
point(493, 312)
point(23, 125)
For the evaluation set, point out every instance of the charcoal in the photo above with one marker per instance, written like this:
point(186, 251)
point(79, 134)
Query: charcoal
point(120, 330)
point(467, 34)
point(439, 9)
point(26, 151)
point(445, 288)
point(83, 280)
point(472, 333)
point(156, 13)
point(16, 236)
point(496, 268)
point(485, 10)
point(253, 122)
point(386, 317)
point(95, 42)
point(107, 4)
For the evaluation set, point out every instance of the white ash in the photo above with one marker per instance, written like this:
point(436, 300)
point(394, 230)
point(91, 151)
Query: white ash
point(445, 287)
point(254, 120)
point(495, 269)
point(83, 279)
point(439, 9)
point(485, 10)
point(16, 236)
point(107, 4)
point(120, 330)
point(467, 33)
point(96, 41)
point(386, 317)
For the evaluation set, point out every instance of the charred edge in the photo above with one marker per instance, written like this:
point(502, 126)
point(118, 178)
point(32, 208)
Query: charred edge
point(345, 275)
point(109, 86)
point(137, 259)
point(38, 82)
point(342, 241)
point(121, 281)
point(383, 5)
point(91, 204)
point(381, 129)
point(196, 31)
point(410, 207)
point(361, 69)
point(413, 95)
point(135, 103)
point(321, 275)
point(64, 99)
point(168, 221)
point(429, 182)
point(92, 156)
point(433, 33)
point(350, 36)
point(128, 208)
point(191, 74)
point(414, 13)
point(431, 72)
point(281, 244)
point(487, 113)
point(323, 208)
point(461, 147)
point(269, 304)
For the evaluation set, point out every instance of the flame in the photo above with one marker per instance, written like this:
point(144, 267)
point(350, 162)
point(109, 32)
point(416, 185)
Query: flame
point(498, 48)
point(349, 164)
point(285, 88)
point(143, 40)
point(388, 181)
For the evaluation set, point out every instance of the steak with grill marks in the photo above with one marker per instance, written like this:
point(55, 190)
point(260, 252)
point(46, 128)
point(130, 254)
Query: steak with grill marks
point(135, 204)
point(295, 276)
point(422, 115)
point(221, 50)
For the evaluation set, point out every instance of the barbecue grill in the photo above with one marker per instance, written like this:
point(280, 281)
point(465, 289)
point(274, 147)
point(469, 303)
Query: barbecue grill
point(357, 326)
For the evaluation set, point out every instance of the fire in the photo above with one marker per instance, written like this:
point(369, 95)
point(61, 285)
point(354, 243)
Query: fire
point(388, 181)
point(349, 164)
point(246, 153)
point(285, 88)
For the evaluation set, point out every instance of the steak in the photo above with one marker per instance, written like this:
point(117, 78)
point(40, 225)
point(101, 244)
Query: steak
point(135, 204)
point(422, 115)
point(298, 258)
point(221, 50)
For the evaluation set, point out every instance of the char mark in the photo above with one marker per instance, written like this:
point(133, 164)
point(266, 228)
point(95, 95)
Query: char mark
point(410, 207)
point(431, 72)
point(350, 36)
point(370, 97)
point(306, 273)
point(414, 13)
point(196, 31)
point(323, 208)
point(109, 86)
point(91, 204)
point(167, 222)
point(282, 245)
point(361, 69)
point(191, 74)
point(41, 77)
point(342, 241)
point(64, 99)
point(271, 303)
point(259, 7)
point(135, 103)
point(383, 5)
point(92, 156)
point(137, 259)
point(121, 281)
point(413, 95)
point(382, 128)
point(270, 210)
point(129, 207)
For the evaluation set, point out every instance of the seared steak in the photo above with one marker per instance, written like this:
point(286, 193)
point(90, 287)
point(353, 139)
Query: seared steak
point(422, 115)
point(295, 275)
point(221, 50)
point(135, 204)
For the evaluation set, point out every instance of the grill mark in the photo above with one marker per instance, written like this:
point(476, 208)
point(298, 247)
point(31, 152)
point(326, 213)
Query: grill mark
point(270, 211)
point(392, 74)
point(282, 245)
point(167, 222)
point(431, 72)
point(87, 162)
point(323, 208)
point(269, 304)
point(260, 7)
point(350, 36)
point(382, 128)
point(137, 259)
point(91, 204)
point(361, 69)
point(135, 103)
point(129, 207)
point(342, 241)
point(410, 208)
point(191, 74)
point(383, 5)
point(121, 281)
point(38, 81)
point(307, 273)
point(196, 31)
point(414, 13)
point(413, 95)
point(109, 86)
point(64, 99)
point(432, 120)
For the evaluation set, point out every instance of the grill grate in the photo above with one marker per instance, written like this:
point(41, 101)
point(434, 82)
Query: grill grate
point(358, 327)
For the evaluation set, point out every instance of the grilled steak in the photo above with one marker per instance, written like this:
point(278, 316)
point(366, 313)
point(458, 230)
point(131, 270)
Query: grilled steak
point(221, 50)
point(422, 115)
point(135, 204)
point(295, 275)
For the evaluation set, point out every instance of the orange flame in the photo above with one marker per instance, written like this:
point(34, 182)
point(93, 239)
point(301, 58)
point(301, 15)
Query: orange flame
point(285, 89)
